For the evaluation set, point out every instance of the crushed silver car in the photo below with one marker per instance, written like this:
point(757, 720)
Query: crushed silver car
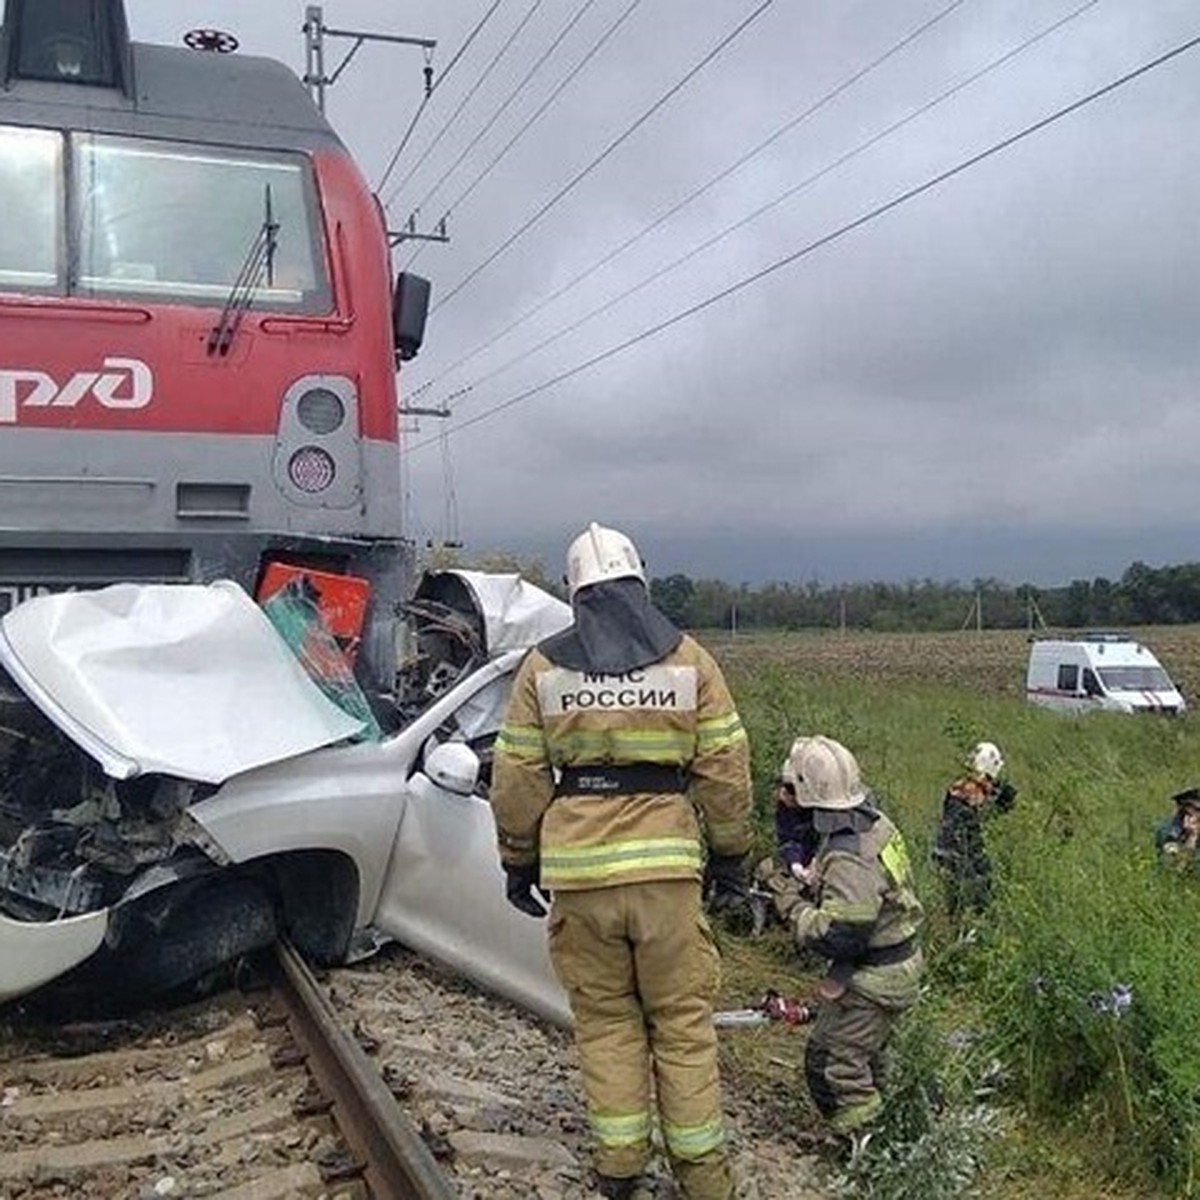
point(177, 790)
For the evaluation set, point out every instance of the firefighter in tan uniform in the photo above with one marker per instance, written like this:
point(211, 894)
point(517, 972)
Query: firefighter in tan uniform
point(619, 729)
point(860, 911)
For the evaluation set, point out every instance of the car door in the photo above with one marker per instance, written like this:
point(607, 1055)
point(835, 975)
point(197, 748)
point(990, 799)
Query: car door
point(443, 893)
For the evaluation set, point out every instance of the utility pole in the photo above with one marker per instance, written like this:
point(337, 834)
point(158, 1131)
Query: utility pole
point(315, 33)
point(1033, 613)
point(318, 82)
point(976, 611)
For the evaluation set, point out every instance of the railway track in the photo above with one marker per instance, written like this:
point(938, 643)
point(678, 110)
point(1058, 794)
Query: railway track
point(391, 1078)
point(223, 1099)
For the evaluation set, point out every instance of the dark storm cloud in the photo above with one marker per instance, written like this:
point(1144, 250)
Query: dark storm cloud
point(997, 378)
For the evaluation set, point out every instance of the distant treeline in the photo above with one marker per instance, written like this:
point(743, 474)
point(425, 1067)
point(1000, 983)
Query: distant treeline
point(1143, 595)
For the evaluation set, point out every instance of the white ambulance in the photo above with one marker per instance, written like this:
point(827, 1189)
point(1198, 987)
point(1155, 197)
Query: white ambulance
point(1097, 672)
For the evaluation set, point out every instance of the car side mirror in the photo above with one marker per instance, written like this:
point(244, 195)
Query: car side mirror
point(453, 766)
point(410, 307)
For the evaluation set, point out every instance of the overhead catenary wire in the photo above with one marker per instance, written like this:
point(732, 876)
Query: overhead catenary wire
point(391, 166)
point(398, 190)
point(827, 239)
point(544, 107)
point(810, 111)
point(480, 80)
point(581, 175)
point(787, 194)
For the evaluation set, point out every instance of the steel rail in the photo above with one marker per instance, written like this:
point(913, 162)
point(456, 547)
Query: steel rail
point(397, 1165)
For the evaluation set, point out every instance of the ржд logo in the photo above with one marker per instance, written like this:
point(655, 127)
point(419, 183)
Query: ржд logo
point(124, 383)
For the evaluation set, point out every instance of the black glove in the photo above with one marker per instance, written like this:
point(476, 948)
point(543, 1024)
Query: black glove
point(519, 886)
point(725, 885)
point(1006, 794)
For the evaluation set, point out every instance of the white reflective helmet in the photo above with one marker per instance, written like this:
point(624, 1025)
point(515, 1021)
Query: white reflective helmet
point(453, 766)
point(826, 774)
point(985, 759)
point(599, 554)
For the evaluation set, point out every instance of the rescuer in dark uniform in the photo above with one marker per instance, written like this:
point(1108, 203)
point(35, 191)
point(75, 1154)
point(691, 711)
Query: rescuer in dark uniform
point(959, 850)
point(618, 730)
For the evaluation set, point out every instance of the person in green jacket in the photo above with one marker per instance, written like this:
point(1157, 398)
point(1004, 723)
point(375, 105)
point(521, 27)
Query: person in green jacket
point(860, 912)
point(1176, 838)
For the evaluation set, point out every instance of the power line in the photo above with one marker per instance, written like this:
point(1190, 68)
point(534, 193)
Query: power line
point(470, 93)
point(805, 183)
point(399, 188)
point(542, 108)
point(671, 92)
point(740, 162)
point(825, 240)
point(429, 95)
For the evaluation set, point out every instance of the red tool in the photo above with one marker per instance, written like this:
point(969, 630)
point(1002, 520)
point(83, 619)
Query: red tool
point(771, 1008)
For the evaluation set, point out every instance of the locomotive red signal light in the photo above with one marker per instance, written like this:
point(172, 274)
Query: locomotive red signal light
point(320, 411)
point(312, 469)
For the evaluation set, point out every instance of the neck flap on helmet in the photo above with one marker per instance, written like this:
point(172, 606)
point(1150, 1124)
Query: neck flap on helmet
point(616, 630)
point(851, 820)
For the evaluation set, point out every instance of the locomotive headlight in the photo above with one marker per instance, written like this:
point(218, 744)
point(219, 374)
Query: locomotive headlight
point(320, 411)
point(311, 469)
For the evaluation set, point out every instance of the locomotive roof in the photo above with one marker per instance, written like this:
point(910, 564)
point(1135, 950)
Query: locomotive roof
point(189, 95)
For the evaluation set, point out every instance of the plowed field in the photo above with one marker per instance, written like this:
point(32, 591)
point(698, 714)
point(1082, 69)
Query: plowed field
point(991, 662)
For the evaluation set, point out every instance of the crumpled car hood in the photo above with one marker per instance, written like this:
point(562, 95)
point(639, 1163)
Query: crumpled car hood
point(515, 613)
point(179, 679)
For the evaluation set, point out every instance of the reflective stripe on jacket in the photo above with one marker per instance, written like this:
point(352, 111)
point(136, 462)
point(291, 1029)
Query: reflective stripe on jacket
point(676, 713)
point(866, 905)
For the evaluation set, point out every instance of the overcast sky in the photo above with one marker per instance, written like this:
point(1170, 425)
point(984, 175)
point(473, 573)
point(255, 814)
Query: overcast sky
point(997, 377)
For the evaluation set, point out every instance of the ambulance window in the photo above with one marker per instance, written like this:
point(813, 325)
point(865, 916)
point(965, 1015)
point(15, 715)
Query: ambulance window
point(1068, 677)
point(1091, 685)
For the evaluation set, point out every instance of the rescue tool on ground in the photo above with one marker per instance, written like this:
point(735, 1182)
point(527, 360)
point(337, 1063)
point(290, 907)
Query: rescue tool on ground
point(772, 1009)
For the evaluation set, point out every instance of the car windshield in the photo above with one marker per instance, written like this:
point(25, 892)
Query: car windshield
point(157, 220)
point(1136, 679)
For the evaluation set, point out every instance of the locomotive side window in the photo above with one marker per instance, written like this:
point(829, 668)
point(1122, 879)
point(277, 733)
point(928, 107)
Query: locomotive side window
point(183, 223)
point(31, 201)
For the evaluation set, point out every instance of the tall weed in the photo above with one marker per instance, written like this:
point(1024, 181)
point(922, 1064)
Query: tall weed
point(932, 1137)
point(1083, 978)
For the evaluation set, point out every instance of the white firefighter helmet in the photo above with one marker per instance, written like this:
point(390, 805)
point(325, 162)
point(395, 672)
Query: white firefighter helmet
point(599, 554)
point(826, 774)
point(985, 759)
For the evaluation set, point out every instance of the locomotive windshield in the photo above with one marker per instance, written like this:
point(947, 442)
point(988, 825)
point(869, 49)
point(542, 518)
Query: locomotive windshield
point(31, 174)
point(156, 220)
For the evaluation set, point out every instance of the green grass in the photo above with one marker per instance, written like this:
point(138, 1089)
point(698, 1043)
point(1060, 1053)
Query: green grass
point(1091, 1101)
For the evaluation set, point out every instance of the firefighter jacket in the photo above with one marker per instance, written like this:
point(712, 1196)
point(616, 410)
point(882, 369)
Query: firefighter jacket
point(672, 718)
point(866, 913)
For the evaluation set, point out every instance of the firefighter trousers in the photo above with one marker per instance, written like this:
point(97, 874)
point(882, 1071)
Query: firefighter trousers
point(640, 968)
point(843, 1060)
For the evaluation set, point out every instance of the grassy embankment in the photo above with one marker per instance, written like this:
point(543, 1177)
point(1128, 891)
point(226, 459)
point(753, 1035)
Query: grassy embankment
point(1019, 1030)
